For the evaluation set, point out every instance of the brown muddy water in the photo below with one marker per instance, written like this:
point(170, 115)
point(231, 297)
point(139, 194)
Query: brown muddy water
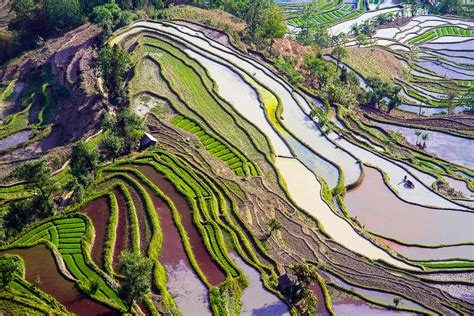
point(40, 265)
point(321, 310)
point(99, 213)
point(122, 234)
point(383, 213)
point(212, 271)
point(144, 228)
point(189, 293)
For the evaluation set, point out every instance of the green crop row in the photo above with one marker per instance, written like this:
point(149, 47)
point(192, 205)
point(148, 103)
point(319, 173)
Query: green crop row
point(211, 233)
point(439, 32)
point(201, 205)
point(31, 294)
point(109, 245)
point(58, 232)
point(218, 208)
point(176, 165)
point(342, 13)
point(191, 188)
point(132, 217)
point(216, 113)
point(154, 247)
point(229, 155)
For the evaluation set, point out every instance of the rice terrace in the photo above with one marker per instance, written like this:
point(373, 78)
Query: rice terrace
point(237, 157)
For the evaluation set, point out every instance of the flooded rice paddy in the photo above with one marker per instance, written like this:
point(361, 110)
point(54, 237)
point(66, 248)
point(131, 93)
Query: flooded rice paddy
point(15, 139)
point(213, 273)
point(383, 213)
point(445, 146)
point(189, 293)
point(306, 191)
point(99, 212)
point(256, 300)
point(52, 282)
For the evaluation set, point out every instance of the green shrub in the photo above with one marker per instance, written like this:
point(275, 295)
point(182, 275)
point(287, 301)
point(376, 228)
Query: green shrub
point(54, 237)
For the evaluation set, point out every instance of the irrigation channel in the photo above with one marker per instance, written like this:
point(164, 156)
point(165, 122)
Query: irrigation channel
point(295, 168)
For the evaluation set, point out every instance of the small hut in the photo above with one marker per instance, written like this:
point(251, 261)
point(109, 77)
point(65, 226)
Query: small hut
point(147, 140)
point(285, 283)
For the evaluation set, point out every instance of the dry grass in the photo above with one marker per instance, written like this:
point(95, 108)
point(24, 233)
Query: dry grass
point(376, 62)
point(291, 50)
point(213, 18)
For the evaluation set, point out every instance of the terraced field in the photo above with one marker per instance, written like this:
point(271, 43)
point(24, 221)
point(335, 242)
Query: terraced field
point(5, 13)
point(331, 13)
point(237, 148)
point(442, 51)
point(337, 16)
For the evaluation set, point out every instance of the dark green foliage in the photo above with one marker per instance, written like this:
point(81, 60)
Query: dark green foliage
point(381, 90)
point(315, 36)
point(115, 64)
point(110, 16)
point(340, 53)
point(456, 7)
point(306, 274)
point(63, 14)
point(294, 77)
point(9, 268)
point(320, 70)
point(274, 225)
point(264, 18)
point(129, 127)
point(84, 161)
point(113, 144)
point(38, 176)
point(137, 272)
point(272, 25)
point(35, 21)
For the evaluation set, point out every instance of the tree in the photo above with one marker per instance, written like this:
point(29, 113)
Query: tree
point(130, 128)
point(115, 63)
point(321, 37)
point(84, 162)
point(294, 77)
point(395, 99)
point(254, 14)
point(274, 224)
point(29, 22)
point(343, 76)
point(114, 145)
point(308, 12)
point(382, 90)
point(305, 273)
point(321, 70)
point(137, 272)
point(94, 285)
point(362, 39)
point(309, 301)
point(273, 25)
point(38, 177)
point(9, 268)
point(20, 214)
point(340, 53)
point(63, 14)
point(109, 16)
